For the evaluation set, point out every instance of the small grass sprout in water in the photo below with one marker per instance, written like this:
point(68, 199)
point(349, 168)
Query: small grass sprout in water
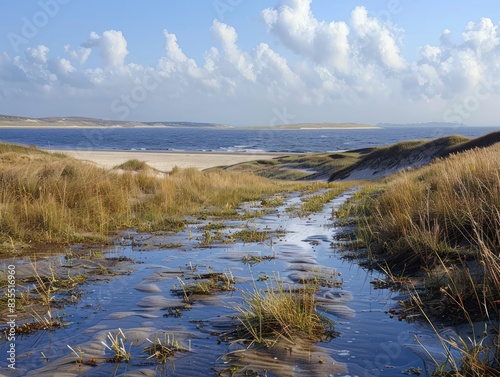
point(252, 259)
point(117, 346)
point(315, 203)
point(275, 201)
point(210, 283)
point(78, 353)
point(161, 351)
point(251, 235)
point(46, 322)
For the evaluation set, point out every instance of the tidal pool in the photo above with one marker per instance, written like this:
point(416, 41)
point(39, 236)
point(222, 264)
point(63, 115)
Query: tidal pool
point(136, 298)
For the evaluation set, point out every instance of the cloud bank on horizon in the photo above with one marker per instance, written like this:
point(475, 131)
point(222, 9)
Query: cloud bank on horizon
point(323, 71)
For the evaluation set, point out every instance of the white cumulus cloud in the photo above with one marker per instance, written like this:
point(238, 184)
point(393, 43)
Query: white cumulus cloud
point(448, 70)
point(38, 54)
point(113, 46)
point(378, 41)
point(236, 58)
point(324, 42)
point(79, 55)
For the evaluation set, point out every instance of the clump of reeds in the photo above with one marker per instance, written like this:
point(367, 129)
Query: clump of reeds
point(280, 313)
point(473, 300)
point(446, 216)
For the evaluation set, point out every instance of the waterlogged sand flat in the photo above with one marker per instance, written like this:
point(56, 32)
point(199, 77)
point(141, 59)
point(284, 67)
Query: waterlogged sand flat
point(144, 305)
point(165, 161)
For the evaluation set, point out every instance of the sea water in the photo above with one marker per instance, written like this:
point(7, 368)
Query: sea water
point(227, 140)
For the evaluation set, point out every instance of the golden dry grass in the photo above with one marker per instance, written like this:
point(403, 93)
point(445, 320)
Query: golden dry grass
point(54, 198)
point(444, 220)
point(441, 208)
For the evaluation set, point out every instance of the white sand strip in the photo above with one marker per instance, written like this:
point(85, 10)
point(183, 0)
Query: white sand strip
point(165, 161)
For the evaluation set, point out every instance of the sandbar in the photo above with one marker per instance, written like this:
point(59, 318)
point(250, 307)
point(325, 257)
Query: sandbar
point(165, 161)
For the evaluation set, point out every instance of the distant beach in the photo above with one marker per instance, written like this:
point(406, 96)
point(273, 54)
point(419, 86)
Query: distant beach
point(165, 161)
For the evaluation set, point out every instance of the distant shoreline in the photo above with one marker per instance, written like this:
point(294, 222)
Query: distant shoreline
point(341, 128)
point(281, 128)
point(8, 121)
point(115, 127)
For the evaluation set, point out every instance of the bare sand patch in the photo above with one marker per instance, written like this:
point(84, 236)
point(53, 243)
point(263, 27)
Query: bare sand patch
point(165, 161)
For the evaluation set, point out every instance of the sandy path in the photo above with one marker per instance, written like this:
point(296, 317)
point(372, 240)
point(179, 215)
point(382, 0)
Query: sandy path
point(165, 161)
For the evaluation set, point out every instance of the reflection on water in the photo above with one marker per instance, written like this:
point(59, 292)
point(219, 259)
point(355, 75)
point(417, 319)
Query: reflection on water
point(136, 297)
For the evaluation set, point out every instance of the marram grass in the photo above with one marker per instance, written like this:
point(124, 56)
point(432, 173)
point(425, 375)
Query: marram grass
point(446, 217)
point(442, 208)
point(54, 198)
point(442, 221)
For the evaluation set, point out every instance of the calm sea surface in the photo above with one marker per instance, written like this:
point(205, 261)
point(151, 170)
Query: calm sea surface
point(251, 141)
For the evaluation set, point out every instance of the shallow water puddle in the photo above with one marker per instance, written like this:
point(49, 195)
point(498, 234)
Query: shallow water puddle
point(150, 301)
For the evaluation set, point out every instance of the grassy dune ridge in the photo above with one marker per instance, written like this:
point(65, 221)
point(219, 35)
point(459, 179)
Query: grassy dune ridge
point(313, 166)
point(440, 225)
point(442, 215)
point(365, 163)
point(414, 153)
point(54, 198)
point(447, 207)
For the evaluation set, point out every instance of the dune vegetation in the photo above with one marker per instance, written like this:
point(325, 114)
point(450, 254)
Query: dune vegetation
point(312, 166)
point(440, 225)
point(133, 165)
point(52, 198)
point(365, 163)
point(383, 161)
point(442, 215)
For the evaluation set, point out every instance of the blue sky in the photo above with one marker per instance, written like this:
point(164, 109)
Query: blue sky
point(248, 62)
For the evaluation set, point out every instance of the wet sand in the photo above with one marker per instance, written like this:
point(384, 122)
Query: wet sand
point(165, 161)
